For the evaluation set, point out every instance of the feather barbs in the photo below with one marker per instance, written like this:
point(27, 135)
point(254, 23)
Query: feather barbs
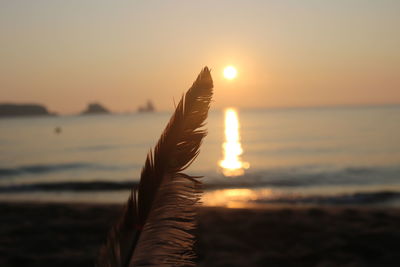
point(155, 229)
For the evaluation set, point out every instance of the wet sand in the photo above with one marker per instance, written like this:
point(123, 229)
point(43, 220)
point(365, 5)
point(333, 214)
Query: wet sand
point(71, 234)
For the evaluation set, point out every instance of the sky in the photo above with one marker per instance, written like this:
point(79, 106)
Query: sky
point(65, 54)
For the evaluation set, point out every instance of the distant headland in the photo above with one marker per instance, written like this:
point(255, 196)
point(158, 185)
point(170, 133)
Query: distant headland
point(19, 110)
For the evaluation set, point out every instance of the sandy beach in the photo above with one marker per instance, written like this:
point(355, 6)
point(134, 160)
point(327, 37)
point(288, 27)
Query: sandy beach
point(70, 235)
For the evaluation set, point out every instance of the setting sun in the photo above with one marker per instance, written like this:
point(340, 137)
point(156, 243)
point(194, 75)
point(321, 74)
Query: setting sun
point(230, 72)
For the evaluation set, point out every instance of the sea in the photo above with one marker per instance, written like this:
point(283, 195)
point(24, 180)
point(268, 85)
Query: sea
point(293, 156)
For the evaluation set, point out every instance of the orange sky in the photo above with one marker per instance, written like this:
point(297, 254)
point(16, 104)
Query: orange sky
point(65, 54)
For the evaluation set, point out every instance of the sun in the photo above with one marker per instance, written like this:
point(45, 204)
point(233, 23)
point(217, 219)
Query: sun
point(230, 72)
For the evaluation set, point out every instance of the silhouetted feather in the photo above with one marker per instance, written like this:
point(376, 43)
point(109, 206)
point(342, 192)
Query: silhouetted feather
point(155, 227)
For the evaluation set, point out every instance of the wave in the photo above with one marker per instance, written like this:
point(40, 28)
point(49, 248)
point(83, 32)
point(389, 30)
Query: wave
point(302, 176)
point(276, 178)
point(307, 176)
point(53, 168)
point(69, 186)
point(358, 198)
point(110, 186)
point(39, 169)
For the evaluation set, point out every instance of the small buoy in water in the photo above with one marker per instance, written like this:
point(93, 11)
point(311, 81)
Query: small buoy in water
point(57, 130)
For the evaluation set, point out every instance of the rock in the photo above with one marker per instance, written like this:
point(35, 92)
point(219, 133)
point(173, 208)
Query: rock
point(95, 108)
point(11, 110)
point(149, 107)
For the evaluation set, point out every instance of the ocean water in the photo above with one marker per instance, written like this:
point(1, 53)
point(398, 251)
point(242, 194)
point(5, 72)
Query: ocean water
point(303, 156)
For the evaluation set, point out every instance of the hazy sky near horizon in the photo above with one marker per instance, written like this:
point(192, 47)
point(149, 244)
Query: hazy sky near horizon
point(65, 54)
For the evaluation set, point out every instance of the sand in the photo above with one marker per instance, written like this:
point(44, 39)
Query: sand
point(71, 234)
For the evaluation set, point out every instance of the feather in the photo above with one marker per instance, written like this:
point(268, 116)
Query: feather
point(158, 217)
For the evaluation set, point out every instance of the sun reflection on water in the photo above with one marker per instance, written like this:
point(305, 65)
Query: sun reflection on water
point(235, 198)
point(232, 149)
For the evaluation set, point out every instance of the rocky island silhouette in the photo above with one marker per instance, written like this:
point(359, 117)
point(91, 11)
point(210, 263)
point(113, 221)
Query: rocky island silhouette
point(95, 108)
point(19, 110)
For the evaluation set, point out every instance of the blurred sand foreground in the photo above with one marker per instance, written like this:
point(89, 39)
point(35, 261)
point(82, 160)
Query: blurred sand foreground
point(70, 235)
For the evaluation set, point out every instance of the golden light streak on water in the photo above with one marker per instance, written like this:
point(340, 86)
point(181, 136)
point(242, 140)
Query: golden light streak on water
point(235, 198)
point(231, 164)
